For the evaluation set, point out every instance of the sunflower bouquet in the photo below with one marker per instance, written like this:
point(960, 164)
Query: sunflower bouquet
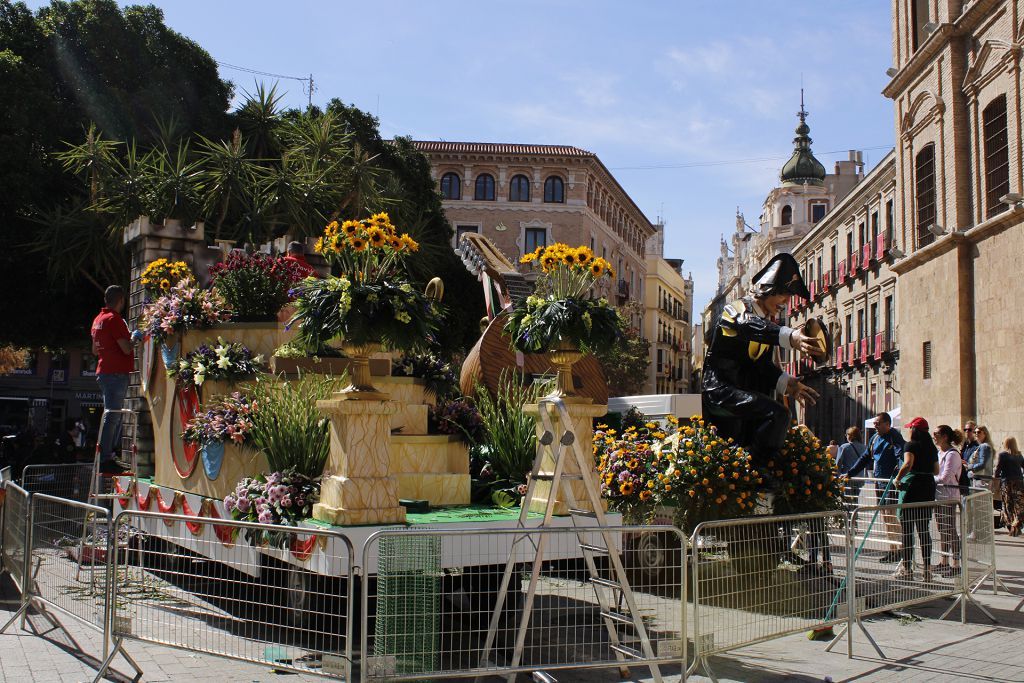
point(371, 301)
point(562, 310)
point(160, 275)
point(365, 250)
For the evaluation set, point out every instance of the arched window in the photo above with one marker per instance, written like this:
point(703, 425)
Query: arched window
point(451, 186)
point(519, 189)
point(924, 190)
point(484, 190)
point(787, 215)
point(554, 190)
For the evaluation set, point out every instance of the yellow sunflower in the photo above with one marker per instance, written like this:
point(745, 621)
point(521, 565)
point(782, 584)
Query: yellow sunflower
point(165, 284)
point(626, 488)
point(597, 268)
point(377, 237)
point(357, 243)
point(350, 227)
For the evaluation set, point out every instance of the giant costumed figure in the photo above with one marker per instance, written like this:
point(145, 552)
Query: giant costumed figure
point(741, 380)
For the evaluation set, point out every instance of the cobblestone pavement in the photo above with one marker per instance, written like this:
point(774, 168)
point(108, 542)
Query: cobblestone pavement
point(918, 648)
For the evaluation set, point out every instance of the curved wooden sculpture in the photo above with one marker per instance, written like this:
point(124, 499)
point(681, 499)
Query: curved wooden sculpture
point(492, 353)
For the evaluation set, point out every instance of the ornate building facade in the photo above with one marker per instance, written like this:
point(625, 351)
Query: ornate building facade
point(846, 262)
point(668, 314)
point(957, 86)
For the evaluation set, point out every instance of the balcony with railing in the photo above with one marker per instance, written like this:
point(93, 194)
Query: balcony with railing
point(850, 357)
point(865, 256)
point(851, 266)
point(841, 272)
point(864, 349)
point(839, 356)
point(826, 280)
point(881, 246)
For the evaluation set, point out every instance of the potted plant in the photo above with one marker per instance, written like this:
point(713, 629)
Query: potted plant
point(255, 286)
point(561, 318)
point(371, 305)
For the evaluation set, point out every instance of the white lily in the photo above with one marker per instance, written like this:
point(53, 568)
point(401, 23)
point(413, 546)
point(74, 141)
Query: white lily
point(223, 362)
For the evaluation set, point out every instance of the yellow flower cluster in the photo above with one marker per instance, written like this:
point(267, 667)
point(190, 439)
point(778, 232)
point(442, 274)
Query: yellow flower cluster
point(368, 234)
point(161, 274)
point(579, 258)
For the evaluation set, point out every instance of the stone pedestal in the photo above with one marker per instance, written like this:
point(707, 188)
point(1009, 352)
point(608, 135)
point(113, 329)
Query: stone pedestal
point(357, 486)
point(582, 417)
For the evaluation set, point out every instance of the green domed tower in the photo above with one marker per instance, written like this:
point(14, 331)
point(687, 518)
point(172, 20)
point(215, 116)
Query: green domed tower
point(802, 168)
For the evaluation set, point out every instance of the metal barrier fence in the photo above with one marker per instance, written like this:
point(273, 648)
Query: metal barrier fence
point(895, 553)
point(70, 541)
point(979, 559)
point(430, 595)
point(762, 578)
point(69, 481)
point(273, 595)
point(15, 533)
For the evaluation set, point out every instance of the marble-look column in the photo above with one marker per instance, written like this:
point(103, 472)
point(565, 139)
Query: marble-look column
point(582, 423)
point(357, 486)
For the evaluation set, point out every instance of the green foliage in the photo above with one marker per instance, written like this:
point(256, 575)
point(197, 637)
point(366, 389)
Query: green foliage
point(511, 436)
point(61, 68)
point(287, 428)
point(626, 362)
point(538, 324)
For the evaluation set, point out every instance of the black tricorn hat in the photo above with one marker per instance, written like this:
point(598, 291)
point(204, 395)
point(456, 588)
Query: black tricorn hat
point(782, 274)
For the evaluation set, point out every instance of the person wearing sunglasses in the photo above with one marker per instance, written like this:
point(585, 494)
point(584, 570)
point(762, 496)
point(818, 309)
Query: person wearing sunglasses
point(980, 460)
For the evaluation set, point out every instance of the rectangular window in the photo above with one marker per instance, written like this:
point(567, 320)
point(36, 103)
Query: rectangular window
point(890, 319)
point(889, 221)
point(820, 271)
point(924, 191)
point(849, 327)
point(926, 358)
point(860, 324)
point(872, 398)
point(535, 237)
point(591, 244)
point(874, 227)
point(849, 245)
point(874, 320)
point(835, 257)
point(461, 230)
point(818, 212)
point(918, 18)
point(997, 158)
point(860, 235)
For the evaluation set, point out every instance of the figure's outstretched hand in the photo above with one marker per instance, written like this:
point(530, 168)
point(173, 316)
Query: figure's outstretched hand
point(805, 344)
point(801, 392)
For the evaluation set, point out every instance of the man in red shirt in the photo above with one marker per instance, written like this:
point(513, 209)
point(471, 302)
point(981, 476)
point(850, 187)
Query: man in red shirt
point(297, 255)
point(111, 344)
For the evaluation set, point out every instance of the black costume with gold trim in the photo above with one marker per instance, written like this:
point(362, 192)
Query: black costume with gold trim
point(740, 378)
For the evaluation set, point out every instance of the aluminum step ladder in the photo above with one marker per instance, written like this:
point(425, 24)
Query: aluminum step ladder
point(94, 534)
point(618, 607)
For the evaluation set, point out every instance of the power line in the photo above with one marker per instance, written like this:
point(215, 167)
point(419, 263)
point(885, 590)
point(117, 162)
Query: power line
point(308, 87)
point(727, 162)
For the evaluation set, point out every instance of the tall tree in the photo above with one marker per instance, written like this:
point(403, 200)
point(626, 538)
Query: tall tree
point(62, 68)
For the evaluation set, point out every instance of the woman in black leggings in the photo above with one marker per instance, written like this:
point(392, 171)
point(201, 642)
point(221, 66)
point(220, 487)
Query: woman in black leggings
point(916, 483)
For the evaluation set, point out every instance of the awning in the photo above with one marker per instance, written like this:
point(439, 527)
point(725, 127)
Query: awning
point(894, 414)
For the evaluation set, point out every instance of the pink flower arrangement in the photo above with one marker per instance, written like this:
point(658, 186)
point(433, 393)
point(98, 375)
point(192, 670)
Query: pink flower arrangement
point(227, 418)
point(184, 307)
point(277, 498)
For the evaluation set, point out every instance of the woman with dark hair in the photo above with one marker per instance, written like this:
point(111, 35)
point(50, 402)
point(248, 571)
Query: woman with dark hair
point(1010, 472)
point(947, 487)
point(915, 481)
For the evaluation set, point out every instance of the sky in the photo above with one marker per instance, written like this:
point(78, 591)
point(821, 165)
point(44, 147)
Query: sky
point(691, 104)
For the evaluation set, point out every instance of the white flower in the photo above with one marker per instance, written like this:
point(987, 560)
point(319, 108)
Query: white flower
point(223, 362)
point(258, 360)
point(200, 378)
point(183, 364)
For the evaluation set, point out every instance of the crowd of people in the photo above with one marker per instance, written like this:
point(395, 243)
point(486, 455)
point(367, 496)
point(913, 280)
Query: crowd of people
point(940, 464)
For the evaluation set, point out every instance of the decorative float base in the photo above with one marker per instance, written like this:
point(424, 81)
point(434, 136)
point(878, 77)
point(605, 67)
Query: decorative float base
point(357, 487)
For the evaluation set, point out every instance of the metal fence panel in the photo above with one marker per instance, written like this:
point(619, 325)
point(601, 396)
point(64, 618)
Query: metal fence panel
point(430, 595)
point(69, 481)
point(879, 536)
point(15, 532)
point(288, 618)
point(761, 578)
point(70, 541)
point(979, 539)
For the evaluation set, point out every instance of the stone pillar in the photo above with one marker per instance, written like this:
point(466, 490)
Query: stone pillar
point(147, 242)
point(582, 424)
point(357, 486)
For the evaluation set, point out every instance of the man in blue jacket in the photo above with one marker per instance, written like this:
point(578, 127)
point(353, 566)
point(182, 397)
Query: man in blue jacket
point(885, 451)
